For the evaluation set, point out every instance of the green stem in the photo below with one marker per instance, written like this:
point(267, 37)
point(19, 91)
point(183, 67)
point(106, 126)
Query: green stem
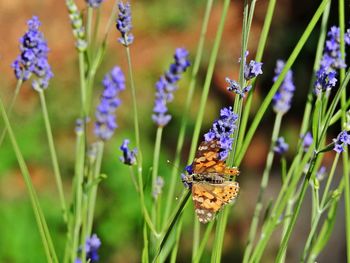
point(208, 78)
point(53, 154)
point(96, 27)
point(346, 170)
point(238, 104)
point(204, 240)
point(93, 192)
point(264, 182)
point(134, 104)
point(328, 225)
point(155, 167)
point(177, 242)
point(296, 211)
point(78, 177)
point(258, 57)
point(274, 88)
point(320, 211)
point(174, 173)
point(172, 221)
point(204, 97)
point(282, 200)
point(40, 220)
point(83, 86)
point(10, 108)
point(89, 31)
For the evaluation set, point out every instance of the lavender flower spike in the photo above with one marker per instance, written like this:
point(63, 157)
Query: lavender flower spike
point(331, 61)
point(341, 141)
point(124, 25)
point(166, 86)
point(222, 130)
point(252, 70)
point(33, 57)
point(94, 3)
point(92, 245)
point(105, 124)
point(283, 97)
point(281, 146)
point(129, 156)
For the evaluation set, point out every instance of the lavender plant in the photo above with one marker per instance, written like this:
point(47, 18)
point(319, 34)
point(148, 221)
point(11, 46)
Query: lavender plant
point(310, 161)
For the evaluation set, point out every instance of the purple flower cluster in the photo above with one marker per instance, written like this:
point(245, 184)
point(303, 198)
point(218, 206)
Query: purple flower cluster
point(236, 88)
point(92, 245)
point(105, 124)
point(283, 97)
point(326, 79)
point(341, 141)
point(33, 57)
point(129, 156)
point(94, 3)
point(280, 146)
point(251, 70)
point(331, 55)
point(166, 86)
point(124, 24)
point(331, 61)
point(222, 130)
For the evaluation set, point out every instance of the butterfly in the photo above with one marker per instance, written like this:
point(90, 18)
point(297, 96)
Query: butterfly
point(211, 181)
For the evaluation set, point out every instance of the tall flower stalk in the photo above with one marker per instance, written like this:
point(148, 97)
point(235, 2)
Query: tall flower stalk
point(33, 64)
point(165, 88)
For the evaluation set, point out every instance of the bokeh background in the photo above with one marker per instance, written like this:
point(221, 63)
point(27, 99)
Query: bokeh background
point(159, 28)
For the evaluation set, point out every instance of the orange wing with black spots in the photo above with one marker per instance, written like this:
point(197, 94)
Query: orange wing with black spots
point(209, 198)
point(212, 185)
point(207, 160)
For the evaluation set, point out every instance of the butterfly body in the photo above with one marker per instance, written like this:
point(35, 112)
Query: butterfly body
point(211, 181)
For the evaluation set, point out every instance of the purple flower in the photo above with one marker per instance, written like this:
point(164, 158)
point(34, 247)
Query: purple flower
point(33, 57)
point(325, 80)
point(222, 130)
point(283, 97)
point(331, 54)
point(252, 70)
point(347, 37)
point(92, 245)
point(330, 61)
point(124, 25)
point(280, 146)
point(341, 141)
point(94, 3)
point(129, 156)
point(166, 86)
point(307, 141)
point(236, 88)
point(105, 124)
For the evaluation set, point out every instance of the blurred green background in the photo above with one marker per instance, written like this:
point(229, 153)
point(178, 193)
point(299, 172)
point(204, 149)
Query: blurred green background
point(159, 28)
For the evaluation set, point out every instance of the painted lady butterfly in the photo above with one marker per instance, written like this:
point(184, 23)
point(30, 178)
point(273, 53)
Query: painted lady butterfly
point(211, 181)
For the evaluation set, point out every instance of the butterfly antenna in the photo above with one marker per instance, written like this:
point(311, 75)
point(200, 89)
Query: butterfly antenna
point(173, 165)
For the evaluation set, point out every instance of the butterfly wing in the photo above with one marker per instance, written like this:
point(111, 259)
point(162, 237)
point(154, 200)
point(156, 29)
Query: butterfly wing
point(209, 198)
point(207, 161)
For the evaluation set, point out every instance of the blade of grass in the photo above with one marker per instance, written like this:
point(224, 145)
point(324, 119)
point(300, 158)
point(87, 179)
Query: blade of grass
point(40, 220)
point(274, 88)
point(174, 173)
